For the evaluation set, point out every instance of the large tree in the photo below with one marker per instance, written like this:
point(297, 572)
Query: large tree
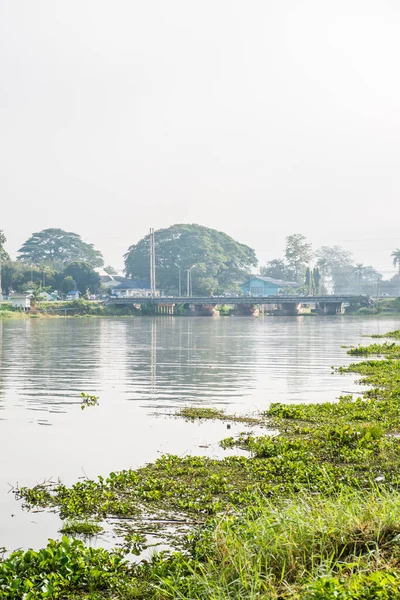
point(277, 269)
point(366, 280)
point(217, 261)
point(86, 279)
point(58, 247)
point(336, 267)
point(67, 285)
point(19, 277)
point(298, 254)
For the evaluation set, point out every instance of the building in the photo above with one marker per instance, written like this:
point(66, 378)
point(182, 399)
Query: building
point(109, 281)
point(45, 297)
point(73, 295)
point(265, 286)
point(131, 288)
point(20, 301)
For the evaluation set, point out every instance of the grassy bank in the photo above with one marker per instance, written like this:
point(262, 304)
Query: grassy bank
point(76, 308)
point(381, 306)
point(312, 513)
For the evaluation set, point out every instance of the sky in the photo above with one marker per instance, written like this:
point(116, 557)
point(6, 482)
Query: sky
point(260, 118)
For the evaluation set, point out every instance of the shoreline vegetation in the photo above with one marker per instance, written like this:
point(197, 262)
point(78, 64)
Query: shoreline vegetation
point(311, 512)
point(86, 308)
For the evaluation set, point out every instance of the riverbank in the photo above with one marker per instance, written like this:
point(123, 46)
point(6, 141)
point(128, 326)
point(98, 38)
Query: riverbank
point(310, 513)
point(84, 308)
point(76, 308)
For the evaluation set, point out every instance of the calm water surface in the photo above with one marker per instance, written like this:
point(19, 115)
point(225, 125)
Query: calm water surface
point(142, 369)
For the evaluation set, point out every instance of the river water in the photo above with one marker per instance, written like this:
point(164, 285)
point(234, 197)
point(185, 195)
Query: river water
point(142, 370)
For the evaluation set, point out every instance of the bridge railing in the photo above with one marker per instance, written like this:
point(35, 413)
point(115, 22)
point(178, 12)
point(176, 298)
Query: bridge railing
point(364, 300)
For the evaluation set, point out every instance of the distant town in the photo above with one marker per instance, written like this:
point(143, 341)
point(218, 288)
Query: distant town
point(185, 260)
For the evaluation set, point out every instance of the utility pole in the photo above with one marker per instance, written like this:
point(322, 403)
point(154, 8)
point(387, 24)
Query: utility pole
point(179, 280)
point(152, 264)
point(189, 288)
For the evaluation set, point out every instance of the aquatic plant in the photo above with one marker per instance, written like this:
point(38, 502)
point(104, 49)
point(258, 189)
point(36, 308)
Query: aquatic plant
point(88, 400)
point(84, 528)
point(192, 413)
point(310, 513)
point(386, 349)
point(390, 334)
point(63, 569)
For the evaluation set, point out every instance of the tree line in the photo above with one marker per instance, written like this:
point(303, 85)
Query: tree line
point(213, 261)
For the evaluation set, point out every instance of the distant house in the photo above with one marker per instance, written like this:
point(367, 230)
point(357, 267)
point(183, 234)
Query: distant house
point(131, 288)
point(265, 286)
point(110, 281)
point(20, 301)
point(47, 297)
point(73, 295)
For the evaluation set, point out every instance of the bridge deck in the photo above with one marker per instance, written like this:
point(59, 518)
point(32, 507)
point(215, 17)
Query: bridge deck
point(218, 300)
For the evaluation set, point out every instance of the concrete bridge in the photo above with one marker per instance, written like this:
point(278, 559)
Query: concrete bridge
point(246, 305)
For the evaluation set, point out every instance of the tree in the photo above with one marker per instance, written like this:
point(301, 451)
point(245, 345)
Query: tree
point(298, 254)
point(36, 295)
point(68, 284)
point(3, 254)
point(309, 281)
point(317, 280)
point(84, 277)
point(58, 247)
point(20, 277)
point(366, 280)
point(396, 258)
point(277, 269)
point(335, 265)
point(358, 271)
point(218, 262)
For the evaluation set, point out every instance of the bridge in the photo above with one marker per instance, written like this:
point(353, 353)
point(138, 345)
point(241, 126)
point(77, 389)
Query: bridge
point(207, 305)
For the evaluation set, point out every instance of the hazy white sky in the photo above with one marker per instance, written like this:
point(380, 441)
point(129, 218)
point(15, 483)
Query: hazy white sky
point(261, 118)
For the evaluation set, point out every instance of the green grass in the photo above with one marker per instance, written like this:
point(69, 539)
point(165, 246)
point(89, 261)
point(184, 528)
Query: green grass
point(279, 551)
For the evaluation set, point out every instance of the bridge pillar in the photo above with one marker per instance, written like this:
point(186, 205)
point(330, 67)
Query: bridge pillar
point(164, 309)
point(247, 310)
point(206, 310)
point(288, 309)
point(330, 308)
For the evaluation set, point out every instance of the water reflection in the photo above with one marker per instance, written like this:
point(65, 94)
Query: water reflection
point(163, 362)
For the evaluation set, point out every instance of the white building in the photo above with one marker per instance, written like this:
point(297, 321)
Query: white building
point(20, 301)
point(133, 288)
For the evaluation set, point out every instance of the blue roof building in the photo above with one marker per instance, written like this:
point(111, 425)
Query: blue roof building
point(73, 295)
point(265, 286)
